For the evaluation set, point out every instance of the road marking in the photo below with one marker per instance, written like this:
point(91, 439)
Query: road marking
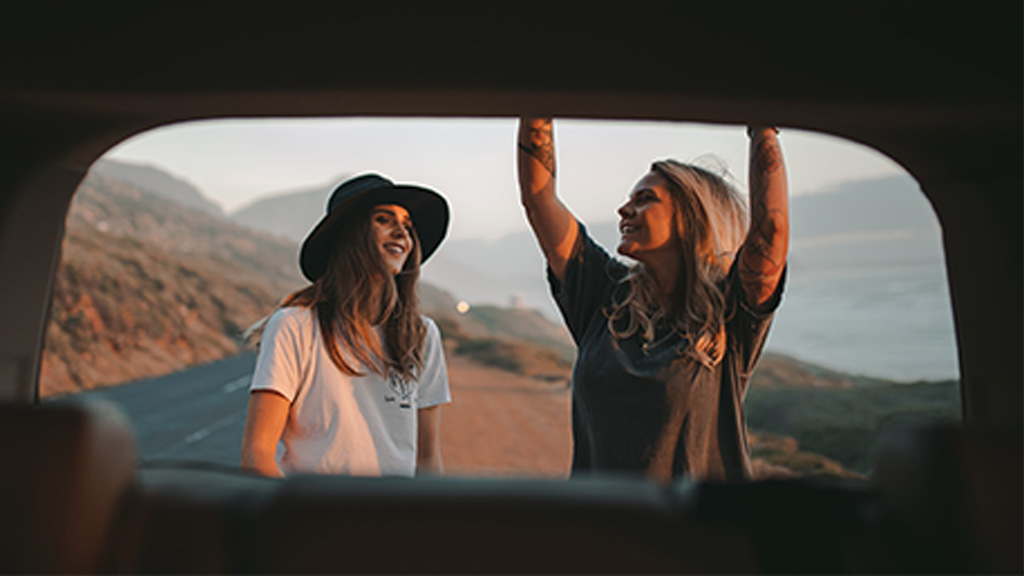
point(197, 435)
point(204, 432)
point(200, 434)
point(236, 384)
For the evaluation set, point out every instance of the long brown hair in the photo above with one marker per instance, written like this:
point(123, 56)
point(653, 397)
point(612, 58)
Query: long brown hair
point(356, 292)
point(710, 222)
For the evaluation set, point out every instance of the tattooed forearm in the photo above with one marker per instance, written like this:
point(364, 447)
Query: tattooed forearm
point(767, 242)
point(541, 145)
point(761, 256)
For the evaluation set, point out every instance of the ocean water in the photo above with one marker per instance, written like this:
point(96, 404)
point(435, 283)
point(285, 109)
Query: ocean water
point(891, 321)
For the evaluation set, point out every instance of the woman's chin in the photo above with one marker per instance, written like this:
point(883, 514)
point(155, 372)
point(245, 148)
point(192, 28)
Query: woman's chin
point(395, 268)
point(629, 250)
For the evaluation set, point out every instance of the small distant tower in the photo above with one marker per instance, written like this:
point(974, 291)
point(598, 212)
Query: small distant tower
point(517, 302)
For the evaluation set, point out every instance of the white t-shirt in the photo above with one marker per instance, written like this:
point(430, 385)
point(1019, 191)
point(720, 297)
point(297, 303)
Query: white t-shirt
point(340, 424)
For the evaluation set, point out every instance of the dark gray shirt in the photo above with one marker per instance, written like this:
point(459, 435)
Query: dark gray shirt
point(653, 412)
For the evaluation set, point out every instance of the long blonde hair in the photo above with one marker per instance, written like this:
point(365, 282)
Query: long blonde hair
point(356, 292)
point(710, 222)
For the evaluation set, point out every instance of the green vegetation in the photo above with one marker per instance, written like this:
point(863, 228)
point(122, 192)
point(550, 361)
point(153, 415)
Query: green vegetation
point(511, 339)
point(845, 424)
point(503, 351)
point(524, 325)
point(784, 452)
point(516, 356)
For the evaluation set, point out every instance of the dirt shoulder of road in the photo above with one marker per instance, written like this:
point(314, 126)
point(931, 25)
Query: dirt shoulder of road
point(504, 424)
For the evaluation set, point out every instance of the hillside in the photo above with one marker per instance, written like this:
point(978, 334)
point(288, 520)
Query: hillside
point(845, 423)
point(155, 182)
point(147, 286)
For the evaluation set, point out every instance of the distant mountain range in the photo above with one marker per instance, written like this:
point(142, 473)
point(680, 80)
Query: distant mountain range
point(289, 215)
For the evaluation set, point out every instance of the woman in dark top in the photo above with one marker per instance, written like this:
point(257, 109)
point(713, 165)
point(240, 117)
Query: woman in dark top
point(665, 346)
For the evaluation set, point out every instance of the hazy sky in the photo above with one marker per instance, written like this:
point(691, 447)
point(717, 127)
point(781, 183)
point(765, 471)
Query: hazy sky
point(471, 161)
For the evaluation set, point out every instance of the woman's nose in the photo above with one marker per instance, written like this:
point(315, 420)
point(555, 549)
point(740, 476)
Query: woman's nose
point(626, 210)
point(399, 231)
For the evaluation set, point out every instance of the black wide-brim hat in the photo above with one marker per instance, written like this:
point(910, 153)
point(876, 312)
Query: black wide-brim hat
point(427, 209)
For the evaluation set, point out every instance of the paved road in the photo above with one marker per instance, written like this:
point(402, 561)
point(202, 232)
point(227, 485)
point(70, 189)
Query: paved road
point(197, 415)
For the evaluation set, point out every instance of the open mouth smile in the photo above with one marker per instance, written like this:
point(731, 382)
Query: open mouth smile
point(394, 249)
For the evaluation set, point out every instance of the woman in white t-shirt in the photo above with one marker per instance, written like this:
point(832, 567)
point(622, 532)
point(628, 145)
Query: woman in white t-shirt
point(350, 377)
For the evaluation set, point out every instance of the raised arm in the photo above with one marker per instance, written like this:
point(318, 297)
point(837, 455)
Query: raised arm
point(764, 251)
point(553, 224)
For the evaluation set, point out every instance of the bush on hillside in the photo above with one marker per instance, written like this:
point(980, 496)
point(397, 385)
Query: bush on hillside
point(516, 356)
point(845, 424)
